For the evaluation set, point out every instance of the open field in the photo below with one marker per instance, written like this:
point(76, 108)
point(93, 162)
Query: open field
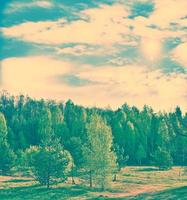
point(133, 183)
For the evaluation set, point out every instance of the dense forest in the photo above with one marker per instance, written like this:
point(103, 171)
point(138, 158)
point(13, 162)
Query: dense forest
point(126, 136)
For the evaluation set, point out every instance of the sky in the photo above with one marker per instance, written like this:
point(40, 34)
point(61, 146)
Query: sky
point(96, 52)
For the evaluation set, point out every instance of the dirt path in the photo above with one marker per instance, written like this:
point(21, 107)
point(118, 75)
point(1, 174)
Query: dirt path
point(6, 178)
point(135, 192)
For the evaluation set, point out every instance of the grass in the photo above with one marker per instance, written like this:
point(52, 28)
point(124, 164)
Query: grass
point(142, 183)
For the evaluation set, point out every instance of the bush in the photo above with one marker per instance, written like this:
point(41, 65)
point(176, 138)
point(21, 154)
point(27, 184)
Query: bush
point(49, 162)
point(7, 158)
point(163, 159)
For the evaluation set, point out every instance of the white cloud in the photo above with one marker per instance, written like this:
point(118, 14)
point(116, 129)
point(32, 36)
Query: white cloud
point(151, 39)
point(113, 86)
point(80, 49)
point(167, 11)
point(17, 6)
point(44, 4)
point(31, 74)
point(76, 50)
point(179, 54)
point(120, 61)
point(151, 48)
point(104, 26)
point(138, 85)
point(182, 22)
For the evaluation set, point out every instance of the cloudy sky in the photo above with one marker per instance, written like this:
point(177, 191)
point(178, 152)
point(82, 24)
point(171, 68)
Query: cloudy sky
point(97, 53)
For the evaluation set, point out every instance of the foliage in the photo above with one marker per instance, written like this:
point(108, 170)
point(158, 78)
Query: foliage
point(99, 159)
point(7, 156)
point(163, 159)
point(49, 162)
point(140, 154)
point(135, 135)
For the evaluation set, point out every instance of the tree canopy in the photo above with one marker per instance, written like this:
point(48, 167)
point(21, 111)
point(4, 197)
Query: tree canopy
point(137, 136)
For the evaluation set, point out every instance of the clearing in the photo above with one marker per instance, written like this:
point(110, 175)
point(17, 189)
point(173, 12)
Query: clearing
point(144, 183)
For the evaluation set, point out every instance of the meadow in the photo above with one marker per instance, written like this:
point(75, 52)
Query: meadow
point(132, 183)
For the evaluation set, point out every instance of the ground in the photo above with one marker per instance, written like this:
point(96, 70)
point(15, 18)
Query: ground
point(146, 183)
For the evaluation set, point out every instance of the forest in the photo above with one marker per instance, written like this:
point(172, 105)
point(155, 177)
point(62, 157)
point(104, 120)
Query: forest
point(55, 140)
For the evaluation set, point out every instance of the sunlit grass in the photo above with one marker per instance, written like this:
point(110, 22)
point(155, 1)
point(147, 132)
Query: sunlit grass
point(132, 183)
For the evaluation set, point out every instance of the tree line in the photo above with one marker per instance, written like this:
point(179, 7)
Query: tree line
point(55, 139)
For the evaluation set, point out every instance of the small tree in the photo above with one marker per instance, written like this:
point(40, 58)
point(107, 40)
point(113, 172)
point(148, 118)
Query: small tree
point(98, 157)
point(7, 156)
point(140, 154)
point(163, 159)
point(49, 162)
point(122, 159)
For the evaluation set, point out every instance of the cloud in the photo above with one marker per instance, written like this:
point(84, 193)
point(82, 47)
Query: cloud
point(138, 85)
point(18, 6)
point(168, 11)
point(102, 25)
point(105, 30)
point(106, 26)
point(165, 21)
point(151, 38)
point(76, 50)
point(44, 4)
point(27, 30)
point(151, 48)
point(31, 74)
point(107, 85)
point(179, 54)
point(86, 50)
point(120, 61)
point(182, 22)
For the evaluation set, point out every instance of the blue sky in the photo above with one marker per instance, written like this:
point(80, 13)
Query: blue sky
point(97, 53)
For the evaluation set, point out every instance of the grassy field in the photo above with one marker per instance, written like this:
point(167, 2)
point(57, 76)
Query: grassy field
point(133, 183)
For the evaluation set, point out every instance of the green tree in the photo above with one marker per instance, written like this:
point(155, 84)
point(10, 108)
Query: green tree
point(7, 156)
point(162, 138)
point(17, 131)
point(29, 121)
point(57, 120)
point(49, 162)
point(122, 159)
point(140, 154)
point(163, 159)
point(99, 159)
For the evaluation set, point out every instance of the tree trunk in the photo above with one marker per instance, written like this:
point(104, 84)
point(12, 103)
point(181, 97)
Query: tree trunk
point(48, 173)
point(115, 177)
point(48, 180)
point(140, 162)
point(103, 187)
point(72, 176)
point(183, 157)
point(72, 180)
point(90, 178)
